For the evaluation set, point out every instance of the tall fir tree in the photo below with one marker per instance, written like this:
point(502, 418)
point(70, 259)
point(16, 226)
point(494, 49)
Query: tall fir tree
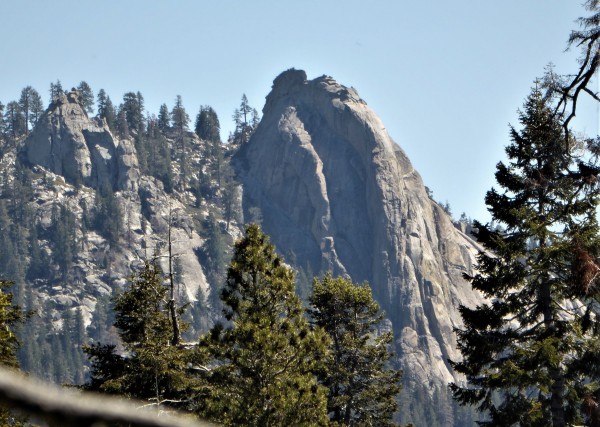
point(56, 90)
point(530, 353)
point(164, 119)
point(362, 385)
point(207, 125)
point(87, 97)
point(266, 360)
point(106, 109)
point(151, 368)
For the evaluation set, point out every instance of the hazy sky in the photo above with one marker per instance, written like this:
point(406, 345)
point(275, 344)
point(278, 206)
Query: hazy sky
point(446, 77)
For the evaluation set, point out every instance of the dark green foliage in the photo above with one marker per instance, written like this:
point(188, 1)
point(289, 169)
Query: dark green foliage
point(526, 351)
point(106, 109)
point(31, 106)
point(103, 319)
point(266, 358)
point(56, 90)
point(14, 121)
point(154, 156)
point(121, 125)
point(2, 127)
point(133, 108)
point(108, 215)
point(151, 368)
point(10, 316)
point(215, 258)
point(362, 386)
point(246, 120)
point(207, 124)
point(164, 119)
point(87, 97)
point(62, 236)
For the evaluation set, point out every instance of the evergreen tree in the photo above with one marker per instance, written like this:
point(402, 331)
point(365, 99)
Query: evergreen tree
point(106, 109)
point(31, 106)
point(164, 119)
point(133, 107)
point(530, 353)
point(180, 120)
point(362, 388)
point(207, 125)
point(56, 90)
point(245, 119)
point(87, 97)
point(10, 316)
point(2, 124)
point(14, 120)
point(108, 217)
point(151, 369)
point(266, 359)
point(121, 124)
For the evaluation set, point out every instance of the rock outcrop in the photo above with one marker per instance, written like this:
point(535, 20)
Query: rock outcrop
point(339, 194)
point(81, 149)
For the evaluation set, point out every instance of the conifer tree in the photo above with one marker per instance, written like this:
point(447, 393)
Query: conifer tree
point(106, 109)
point(87, 97)
point(530, 352)
point(362, 387)
point(133, 107)
point(151, 368)
point(56, 90)
point(267, 358)
point(164, 119)
point(14, 120)
point(207, 124)
point(10, 316)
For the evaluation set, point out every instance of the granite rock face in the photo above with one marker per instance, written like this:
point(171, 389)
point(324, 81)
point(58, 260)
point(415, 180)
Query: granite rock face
point(81, 149)
point(339, 194)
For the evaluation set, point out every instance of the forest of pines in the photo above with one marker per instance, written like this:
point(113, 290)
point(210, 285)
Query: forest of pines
point(276, 347)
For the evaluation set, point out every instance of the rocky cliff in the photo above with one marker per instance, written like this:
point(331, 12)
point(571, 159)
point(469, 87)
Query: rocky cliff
point(75, 163)
point(337, 193)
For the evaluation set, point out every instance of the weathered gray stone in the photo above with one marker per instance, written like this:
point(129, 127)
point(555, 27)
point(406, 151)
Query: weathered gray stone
point(81, 149)
point(335, 190)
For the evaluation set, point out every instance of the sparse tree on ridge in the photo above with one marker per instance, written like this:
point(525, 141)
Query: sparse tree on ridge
point(164, 119)
point(31, 106)
point(207, 125)
point(133, 107)
point(87, 97)
point(106, 109)
point(56, 90)
point(14, 120)
point(245, 119)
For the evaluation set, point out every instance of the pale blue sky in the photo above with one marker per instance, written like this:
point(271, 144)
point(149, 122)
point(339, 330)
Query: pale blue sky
point(445, 77)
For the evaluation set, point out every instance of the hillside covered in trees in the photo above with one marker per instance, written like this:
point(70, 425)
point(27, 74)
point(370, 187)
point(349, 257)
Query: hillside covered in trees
point(135, 260)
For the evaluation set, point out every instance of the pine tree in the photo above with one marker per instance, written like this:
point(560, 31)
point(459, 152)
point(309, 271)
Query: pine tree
point(246, 120)
point(151, 368)
point(362, 387)
point(266, 359)
point(87, 97)
point(530, 353)
point(207, 125)
point(164, 119)
point(106, 109)
point(14, 119)
point(133, 108)
point(56, 90)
